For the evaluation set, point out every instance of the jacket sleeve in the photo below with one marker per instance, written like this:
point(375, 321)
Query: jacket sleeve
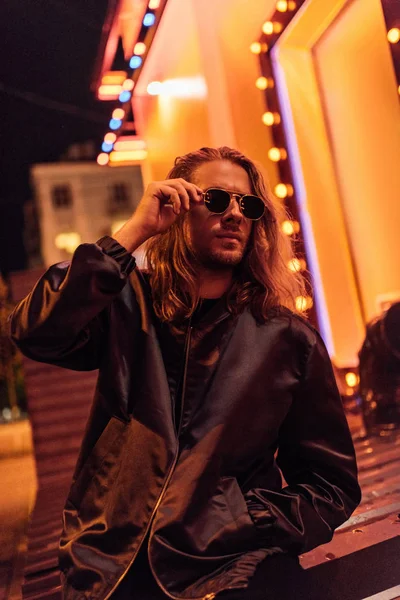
point(317, 459)
point(63, 318)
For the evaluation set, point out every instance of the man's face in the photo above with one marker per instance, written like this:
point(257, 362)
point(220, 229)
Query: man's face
point(219, 241)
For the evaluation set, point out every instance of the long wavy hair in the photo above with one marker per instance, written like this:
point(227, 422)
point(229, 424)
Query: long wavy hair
point(262, 280)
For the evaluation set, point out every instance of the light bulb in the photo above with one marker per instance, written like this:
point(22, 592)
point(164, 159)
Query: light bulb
point(262, 83)
point(139, 49)
point(351, 379)
point(118, 113)
point(393, 35)
point(153, 4)
point(103, 159)
point(270, 27)
point(303, 303)
point(285, 5)
point(276, 154)
point(271, 118)
point(283, 190)
point(128, 85)
point(110, 137)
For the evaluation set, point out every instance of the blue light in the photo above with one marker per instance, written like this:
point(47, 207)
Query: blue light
point(115, 123)
point(107, 147)
point(125, 96)
point(135, 62)
point(149, 19)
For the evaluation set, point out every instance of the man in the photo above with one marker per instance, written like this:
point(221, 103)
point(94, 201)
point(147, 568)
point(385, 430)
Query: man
point(203, 376)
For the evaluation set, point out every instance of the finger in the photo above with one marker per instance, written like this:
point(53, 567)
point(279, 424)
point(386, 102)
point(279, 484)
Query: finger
point(194, 191)
point(171, 196)
point(183, 193)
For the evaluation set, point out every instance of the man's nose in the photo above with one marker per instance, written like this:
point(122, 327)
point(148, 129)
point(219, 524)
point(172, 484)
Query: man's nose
point(233, 211)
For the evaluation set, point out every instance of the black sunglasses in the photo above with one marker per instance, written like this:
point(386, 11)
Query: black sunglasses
point(218, 201)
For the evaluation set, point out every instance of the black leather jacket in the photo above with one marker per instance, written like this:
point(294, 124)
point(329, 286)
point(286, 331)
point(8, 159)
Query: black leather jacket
point(209, 496)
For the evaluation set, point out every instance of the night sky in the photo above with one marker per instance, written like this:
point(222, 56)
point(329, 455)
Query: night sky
point(48, 53)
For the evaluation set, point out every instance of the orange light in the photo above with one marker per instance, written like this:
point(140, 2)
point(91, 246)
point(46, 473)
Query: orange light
point(262, 83)
point(127, 156)
point(255, 48)
point(118, 113)
point(139, 49)
point(351, 379)
point(129, 143)
point(283, 190)
point(277, 154)
point(153, 4)
point(296, 265)
point(103, 159)
point(113, 78)
point(303, 303)
point(271, 27)
point(110, 137)
point(285, 5)
point(109, 92)
point(393, 35)
point(271, 118)
point(290, 227)
point(128, 85)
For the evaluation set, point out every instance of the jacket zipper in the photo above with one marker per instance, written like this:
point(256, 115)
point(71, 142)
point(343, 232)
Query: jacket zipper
point(160, 497)
point(187, 351)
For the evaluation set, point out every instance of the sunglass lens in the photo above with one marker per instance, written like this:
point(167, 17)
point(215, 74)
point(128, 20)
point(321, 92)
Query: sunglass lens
point(217, 201)
point(252, 207)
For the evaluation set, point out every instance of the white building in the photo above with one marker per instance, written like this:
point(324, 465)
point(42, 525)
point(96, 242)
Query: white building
point(80, 202)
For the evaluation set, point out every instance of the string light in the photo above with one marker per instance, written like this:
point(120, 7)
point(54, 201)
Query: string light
point(103, 159)
point(271, 27)
point(139, 49)
point(115, 123)
point(125, 96)
point(110, 137)
point(154, 4)
point(290, 227)
point(296, 265)
point(277, 154)
point(271, 118)
point(118, 114)
point(258, 47)
point(285, 5)
point(303, 303)
point(283, 190)
point(351, 379)
point(262, 83)
point(149, 19)
point(135, 62)
point(128, 85)
point(393, 35)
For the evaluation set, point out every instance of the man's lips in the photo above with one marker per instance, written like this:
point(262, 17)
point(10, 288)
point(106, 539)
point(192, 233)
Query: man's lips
point(229, 235)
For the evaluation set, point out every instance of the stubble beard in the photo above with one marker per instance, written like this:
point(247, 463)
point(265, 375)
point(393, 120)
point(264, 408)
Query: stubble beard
point(221, 259)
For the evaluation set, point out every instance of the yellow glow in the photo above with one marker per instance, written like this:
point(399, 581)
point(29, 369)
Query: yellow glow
point(270, 27)
point(68, 241)
point(128, 156)
point(276, 154)
point(139, 49)
point(129, 143)
point(290, 227)
point(296, 265)
point(116, 225)
point(113, 78)
point(351, 379)
point(285, 5)
point(154, 88)
point(304, 303)
point(153, 4)
point(179, 87)
point(103, 159)
point(109, 92)
point(118, 113)
point(283, 190)
point(264, 82)
point(255, 48)
point(393, 35)
point(128, 85)
point(110, 137)
point(271, 118)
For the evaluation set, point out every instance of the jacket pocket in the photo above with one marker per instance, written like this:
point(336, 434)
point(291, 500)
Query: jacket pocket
point(96, 474)
point(237, 505)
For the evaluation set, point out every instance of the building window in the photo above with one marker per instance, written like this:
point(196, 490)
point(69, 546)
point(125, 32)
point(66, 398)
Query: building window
point(61, 196)
point(119, 198)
